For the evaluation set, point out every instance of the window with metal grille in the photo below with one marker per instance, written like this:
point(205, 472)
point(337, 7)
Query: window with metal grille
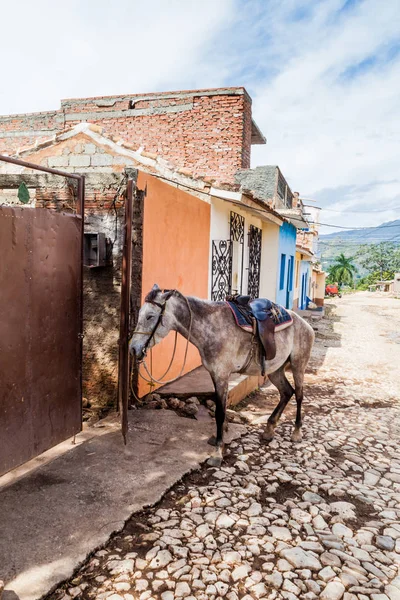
point(282, 272)
point(255, 239)
point(237, 241)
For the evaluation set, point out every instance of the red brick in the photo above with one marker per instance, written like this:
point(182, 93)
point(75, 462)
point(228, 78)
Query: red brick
point(212, 138)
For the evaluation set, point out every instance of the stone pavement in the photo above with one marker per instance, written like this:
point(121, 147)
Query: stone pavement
point(52, 518)
point(319, 519)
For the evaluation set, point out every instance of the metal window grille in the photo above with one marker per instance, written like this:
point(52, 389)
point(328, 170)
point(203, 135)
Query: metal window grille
point(255, 237)
point(237, 236)
point(237, 228)
point(221, 269)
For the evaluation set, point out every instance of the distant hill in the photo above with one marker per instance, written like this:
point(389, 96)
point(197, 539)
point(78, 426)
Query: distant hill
point(349, 241)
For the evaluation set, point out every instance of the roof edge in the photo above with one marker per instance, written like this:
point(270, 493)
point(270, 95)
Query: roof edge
point(257, 136)
point(234, 90)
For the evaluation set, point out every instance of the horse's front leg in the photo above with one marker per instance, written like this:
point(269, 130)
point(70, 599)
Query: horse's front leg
point(221, 391)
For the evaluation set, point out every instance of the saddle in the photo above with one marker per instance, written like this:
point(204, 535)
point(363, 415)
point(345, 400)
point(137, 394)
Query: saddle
point(262, 317)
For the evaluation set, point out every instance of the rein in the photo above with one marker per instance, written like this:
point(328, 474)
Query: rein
point(152, 333)
point(152, 379)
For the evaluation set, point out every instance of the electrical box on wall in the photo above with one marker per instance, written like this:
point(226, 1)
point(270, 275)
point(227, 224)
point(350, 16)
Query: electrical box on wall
point(94, 249)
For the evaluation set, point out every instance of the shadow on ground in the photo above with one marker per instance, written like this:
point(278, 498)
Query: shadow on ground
point(257, 407)
point(325, 337)
point(54, 517)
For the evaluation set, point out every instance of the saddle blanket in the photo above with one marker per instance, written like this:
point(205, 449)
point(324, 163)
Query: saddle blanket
point(244, 315)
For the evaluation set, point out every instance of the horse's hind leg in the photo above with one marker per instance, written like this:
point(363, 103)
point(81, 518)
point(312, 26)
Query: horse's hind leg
point(221, 390)
point(298, 363)
point(298, 376)
point(278, 378)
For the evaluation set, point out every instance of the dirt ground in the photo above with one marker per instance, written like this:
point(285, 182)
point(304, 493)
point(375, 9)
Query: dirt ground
point(356, 358)
point(318, 519)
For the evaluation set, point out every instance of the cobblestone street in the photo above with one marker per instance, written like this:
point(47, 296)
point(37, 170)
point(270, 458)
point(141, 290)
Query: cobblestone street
point(318, 519)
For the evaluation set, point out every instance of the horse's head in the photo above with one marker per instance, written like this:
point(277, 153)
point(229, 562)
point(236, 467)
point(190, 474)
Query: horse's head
point(154, 322)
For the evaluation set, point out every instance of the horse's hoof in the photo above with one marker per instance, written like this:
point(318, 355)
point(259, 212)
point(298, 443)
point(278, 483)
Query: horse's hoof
point(215, 461)
point(212, 441)
point(268, 434)
point(296, 436)
point(217, 458)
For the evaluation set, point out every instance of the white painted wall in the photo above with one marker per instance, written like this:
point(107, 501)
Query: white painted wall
point(396, 283)
point(220, 230)
point(296, 280)
point(269, 261)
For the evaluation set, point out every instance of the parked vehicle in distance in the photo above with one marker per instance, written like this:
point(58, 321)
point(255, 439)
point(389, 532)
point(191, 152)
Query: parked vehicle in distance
point(332, 290)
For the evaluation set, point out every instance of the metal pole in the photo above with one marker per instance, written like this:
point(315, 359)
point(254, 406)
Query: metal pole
point(81, 211)
point(123, 366)
point(28, 165)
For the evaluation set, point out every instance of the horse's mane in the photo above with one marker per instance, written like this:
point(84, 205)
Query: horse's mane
point(199, 303)
point(152, 295)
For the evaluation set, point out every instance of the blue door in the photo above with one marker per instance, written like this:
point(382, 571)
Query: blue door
point(303, 292)
point(289, 282)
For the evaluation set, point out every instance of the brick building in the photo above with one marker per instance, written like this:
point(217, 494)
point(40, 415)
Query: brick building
point(192, 151)
point(207, 132)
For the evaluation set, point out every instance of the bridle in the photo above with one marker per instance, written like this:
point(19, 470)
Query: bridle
point(151, 335)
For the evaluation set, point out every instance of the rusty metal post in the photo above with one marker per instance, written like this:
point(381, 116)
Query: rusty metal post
point(28, 165)
point(80, 210)
point(123, 363)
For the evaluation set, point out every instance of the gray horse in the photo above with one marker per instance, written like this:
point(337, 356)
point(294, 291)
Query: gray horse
point(225, 349)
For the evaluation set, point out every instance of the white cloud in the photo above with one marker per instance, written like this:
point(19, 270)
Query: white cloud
point(332, 127)
point(327, 130)
point(56, 50)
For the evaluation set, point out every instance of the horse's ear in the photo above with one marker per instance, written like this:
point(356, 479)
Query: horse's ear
point(167, 294)
point(155, 288)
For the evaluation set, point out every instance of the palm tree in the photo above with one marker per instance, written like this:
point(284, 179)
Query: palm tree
point(342, 270)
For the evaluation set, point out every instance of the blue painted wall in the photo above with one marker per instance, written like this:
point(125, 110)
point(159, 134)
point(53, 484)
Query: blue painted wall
point(304, 276)
point(286, 260)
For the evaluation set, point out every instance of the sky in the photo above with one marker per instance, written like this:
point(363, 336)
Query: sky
point(324, 76)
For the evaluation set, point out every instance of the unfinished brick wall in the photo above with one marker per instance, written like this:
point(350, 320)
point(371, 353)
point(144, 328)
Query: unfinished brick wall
point(101, 288)
point(23, 130)
point(207, 132)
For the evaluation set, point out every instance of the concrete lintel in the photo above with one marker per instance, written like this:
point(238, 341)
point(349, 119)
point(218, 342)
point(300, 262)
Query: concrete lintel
point(246, 203)
point(226, 194)
point(130, 112)
point(28, 133)
point(34, 115)
point(151, 97)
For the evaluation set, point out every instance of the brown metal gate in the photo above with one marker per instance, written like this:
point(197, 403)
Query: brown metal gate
point(40, 328)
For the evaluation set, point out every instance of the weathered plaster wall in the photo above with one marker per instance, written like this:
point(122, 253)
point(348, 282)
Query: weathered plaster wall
point(101, 302)
point(319, 290)
point(207, 132)
point(176, 238)
point(269, 260)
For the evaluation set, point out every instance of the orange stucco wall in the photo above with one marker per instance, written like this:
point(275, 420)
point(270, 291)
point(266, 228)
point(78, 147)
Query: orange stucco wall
point(176, 238)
